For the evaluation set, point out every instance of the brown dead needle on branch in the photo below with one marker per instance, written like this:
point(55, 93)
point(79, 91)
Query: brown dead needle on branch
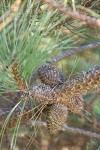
point(75, 15)
point(20, 81)
point(81, 83)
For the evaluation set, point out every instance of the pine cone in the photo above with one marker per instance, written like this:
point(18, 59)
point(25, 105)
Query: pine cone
point(56, 117)
point(50, 75)
point(57, 114)
point(43, 93)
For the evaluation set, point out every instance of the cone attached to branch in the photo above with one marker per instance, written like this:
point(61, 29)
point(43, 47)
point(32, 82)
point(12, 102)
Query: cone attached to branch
point(56, 117)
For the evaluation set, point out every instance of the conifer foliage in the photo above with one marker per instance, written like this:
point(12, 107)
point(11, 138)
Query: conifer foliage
point(49, 74)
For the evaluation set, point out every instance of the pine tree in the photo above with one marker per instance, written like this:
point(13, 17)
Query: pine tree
point(31, 35)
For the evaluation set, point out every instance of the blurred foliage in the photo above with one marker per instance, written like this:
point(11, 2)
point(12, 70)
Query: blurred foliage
point(35, 35)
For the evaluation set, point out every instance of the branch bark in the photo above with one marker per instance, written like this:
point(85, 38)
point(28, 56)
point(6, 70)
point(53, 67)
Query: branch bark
point(67, 54)
point(68, 129)
point(82, 132)
point(26, 117)
point(65, 91)
point(75, 15)
point(60, 94)
point(74, 51)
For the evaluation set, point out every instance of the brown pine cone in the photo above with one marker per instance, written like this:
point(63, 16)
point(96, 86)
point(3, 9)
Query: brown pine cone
point(50, 75)
point(57, 114)
point(42, 94)
point(56, 117)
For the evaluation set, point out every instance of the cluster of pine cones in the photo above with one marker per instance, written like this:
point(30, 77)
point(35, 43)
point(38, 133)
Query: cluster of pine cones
point(57, 114)
point(58, 102)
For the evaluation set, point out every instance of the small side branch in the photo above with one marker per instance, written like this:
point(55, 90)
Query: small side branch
point(74, 51)
point(68, 129)
point(81, 83)
point(69, 53)
point(82, 132)
point(75, 15)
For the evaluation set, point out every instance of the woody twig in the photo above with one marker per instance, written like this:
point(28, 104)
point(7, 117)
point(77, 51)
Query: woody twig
point(69, 53)
point(75, 15)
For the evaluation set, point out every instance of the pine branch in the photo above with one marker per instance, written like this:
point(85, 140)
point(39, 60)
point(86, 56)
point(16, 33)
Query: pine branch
point(88, 11)
point(67, 54)
point(68, 129)
point(44, 94)
point(26, 116)
point(82, 132)
point(79, 84)
point(75, 15)
point(74, 51)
